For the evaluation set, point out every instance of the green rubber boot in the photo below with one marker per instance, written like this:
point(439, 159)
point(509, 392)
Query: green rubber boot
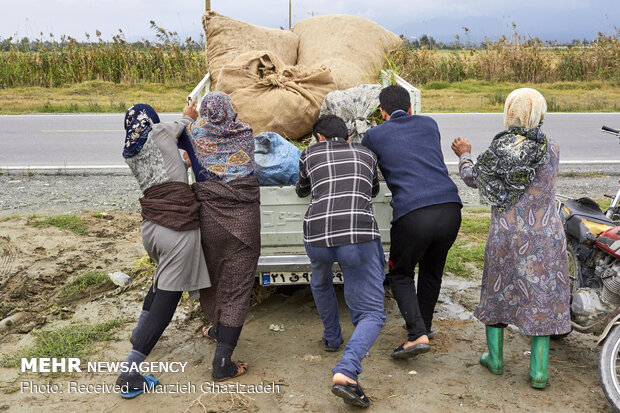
point(539, 361)
point(494, 359)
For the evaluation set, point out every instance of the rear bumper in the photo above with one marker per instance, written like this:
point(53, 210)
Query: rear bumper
point(292, 263)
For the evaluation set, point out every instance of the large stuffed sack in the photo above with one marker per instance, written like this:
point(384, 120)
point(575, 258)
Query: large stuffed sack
point(274, 97)
point(276, 160)
point(354, 106)
point(354, 48)
point(228, 38)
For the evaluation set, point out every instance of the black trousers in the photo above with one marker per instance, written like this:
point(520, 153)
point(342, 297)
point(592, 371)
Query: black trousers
point(161, 306)
point(422, 237)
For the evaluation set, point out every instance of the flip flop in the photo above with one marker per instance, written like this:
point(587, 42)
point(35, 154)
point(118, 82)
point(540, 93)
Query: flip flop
point(151, 382)
point(412, 351)
point(242, 368)
point(206, 330)
point(352, 394)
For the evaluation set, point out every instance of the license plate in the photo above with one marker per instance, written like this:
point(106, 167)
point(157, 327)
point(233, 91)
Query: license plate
point(283, 278)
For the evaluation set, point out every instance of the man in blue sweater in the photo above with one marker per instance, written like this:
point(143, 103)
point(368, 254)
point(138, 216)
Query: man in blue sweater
point(426, 211)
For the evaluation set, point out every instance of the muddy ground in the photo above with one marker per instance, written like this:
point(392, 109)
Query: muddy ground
point(36, 262)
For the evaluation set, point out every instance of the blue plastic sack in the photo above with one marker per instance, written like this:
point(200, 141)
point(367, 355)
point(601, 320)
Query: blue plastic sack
point(277, 160)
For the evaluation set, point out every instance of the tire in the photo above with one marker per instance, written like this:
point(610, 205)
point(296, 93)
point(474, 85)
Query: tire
point(608, 362)
point(574, 266)
point(574, 275)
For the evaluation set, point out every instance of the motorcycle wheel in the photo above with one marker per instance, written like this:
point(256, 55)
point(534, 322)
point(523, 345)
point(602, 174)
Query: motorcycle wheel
point(574, 266)
point(608, 362)
point(574, 275)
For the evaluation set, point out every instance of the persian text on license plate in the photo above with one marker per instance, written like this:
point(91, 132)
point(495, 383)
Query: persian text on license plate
point(281, 278)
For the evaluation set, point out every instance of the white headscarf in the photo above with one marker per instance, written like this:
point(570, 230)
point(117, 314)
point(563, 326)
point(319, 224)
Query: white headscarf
point(524, 108)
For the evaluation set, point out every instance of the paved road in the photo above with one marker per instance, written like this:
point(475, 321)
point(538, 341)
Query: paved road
point(97, 139)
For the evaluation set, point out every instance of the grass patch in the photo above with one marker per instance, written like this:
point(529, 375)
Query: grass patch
point(436, 85)
point(479, 210)
point(101, 215)
point(467, 252)
point(82, 281)
point(604, 203)
point(142, 267)
point(438, 96)
point(94, 96)
point(71, 223)
point(475, 227)
point(483, 96)
point(463, 256)
point(73, 341)
point(573, 174)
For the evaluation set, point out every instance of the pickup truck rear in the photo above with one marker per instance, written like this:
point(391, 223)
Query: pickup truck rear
point(283, 257)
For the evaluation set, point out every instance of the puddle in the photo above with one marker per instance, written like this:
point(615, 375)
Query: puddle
point(447, 307)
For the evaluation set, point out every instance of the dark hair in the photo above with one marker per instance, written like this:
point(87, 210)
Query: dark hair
point(393, 98)
point(330, 126)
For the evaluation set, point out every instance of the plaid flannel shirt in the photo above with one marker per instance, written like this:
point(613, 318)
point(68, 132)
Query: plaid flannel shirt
point(342, 178)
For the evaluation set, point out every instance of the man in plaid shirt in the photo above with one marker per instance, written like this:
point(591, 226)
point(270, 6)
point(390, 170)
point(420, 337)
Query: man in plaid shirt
point(339, 226)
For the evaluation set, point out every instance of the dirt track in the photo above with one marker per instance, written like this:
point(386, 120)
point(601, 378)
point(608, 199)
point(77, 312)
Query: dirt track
point(447, 379)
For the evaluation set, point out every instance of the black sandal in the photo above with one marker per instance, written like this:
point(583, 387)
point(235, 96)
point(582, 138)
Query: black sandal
point(402, 352)
point(352, 394)
point(242, 368)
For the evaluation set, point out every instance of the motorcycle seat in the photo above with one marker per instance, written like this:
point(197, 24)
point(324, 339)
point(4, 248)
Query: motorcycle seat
point(585, 219)
point(589, 209)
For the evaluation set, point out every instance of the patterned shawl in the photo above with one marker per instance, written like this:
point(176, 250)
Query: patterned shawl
point(223, 145)
point(138, 121)
point(506, 170)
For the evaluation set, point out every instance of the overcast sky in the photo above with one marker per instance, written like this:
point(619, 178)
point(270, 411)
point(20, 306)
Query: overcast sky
point(561, 20)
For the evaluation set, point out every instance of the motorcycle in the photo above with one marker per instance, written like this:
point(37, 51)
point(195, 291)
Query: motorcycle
point(593, 249)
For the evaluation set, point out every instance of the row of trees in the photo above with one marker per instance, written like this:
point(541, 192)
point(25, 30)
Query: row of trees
point(164, 38)
point(429, 42)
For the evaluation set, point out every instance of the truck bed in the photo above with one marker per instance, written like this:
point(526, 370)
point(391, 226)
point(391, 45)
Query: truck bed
point(283, 256)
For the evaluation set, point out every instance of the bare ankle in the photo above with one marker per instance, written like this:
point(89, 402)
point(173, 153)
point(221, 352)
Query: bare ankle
point(420, 340)
point(341, 379)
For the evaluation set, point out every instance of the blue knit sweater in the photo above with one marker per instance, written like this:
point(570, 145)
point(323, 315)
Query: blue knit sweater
point(408, 149)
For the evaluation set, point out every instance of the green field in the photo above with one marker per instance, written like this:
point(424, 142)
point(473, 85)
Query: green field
point(108, 76)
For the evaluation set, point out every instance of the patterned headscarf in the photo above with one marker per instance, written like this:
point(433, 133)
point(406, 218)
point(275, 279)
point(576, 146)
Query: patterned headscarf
point(138, 123)
point(223, 145)
point(507, 168)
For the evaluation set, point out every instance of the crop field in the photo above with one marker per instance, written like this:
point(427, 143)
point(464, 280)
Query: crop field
point(63, 75)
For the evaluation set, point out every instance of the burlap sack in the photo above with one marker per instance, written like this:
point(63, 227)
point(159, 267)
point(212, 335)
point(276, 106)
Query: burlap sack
point(228, 38)
point(273, 97)
point(354, 48)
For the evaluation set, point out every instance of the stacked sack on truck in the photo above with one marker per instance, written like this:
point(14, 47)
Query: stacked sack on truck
point(353, 48)
point(278, 79)
point(274, 97)
point(355, 106)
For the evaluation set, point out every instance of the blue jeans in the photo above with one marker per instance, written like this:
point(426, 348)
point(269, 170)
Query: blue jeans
point(362, 268)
